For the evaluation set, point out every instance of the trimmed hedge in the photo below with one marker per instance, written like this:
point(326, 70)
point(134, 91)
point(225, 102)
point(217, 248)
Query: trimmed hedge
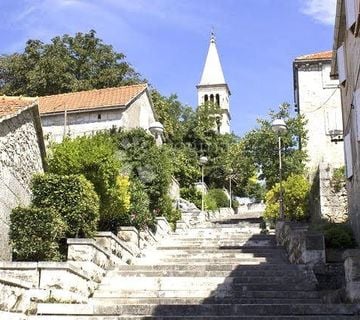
point(73, 197)
point(35, 234)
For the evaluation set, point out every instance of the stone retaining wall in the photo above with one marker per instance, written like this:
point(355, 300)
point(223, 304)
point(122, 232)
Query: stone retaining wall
point(302, 246)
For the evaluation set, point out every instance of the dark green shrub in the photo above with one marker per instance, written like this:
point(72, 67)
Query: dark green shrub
point(220, 198)
point(338, 179)
point(169, 211)
point(139, 215)
point(35, 234)
point(73, 197)
point(296, 190)
point(191, 194)
point(339, 236)
point(235, 204)
point(96, 158)
point(147, 162)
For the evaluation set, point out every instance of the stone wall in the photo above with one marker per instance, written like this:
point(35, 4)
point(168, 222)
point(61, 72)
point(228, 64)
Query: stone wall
point(20, 158)
point(302, 246)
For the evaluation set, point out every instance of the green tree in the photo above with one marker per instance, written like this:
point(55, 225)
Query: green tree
point(66, 64)
point(261, 146)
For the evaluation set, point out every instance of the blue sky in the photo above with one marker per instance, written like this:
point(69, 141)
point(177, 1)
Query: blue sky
point(167, 41)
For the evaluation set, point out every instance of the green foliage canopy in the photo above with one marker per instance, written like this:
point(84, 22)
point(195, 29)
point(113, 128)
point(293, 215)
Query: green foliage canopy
point(66, 64)
point(261, 146)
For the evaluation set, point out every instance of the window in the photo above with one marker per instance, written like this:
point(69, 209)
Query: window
point(99, 116)
point(206, 98)
point(341, 64)
point(211, 98)
point(348, 155)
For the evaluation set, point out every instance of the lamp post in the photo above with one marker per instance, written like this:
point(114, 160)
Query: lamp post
point(230, 192)
point(203, 160)
point(156, 128)
point(279, 126)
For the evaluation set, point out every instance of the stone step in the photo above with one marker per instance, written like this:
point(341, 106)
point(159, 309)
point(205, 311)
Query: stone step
point(204, 261)
point(161, 283)
point(285, 276)
point(199, 300)
point(263, 317)
point(234, 266)
point(203, 310)
point(246, 249)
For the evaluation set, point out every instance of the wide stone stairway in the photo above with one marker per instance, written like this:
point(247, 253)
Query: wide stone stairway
point(222, 270)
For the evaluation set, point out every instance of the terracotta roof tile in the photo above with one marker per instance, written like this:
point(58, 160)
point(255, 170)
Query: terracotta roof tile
point(323, 55)
point(13, 105)
point(91, 99)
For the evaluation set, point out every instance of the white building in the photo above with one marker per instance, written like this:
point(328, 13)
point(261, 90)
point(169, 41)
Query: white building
point(22, 154)
point(86, 112)
point(346, 69)
point(213, 87)
point(317, 97)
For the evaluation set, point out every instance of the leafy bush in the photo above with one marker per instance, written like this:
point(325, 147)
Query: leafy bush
point(116, 211)
point(295, 196)
point(209, 203)
point(147, 162)
point(235, 204)
point(339, 235)
point(73, 197)
point(338, 179)
point(35, 233)
point(191, 194)
point(139, 215)
point(96, 158)
point(220, 197)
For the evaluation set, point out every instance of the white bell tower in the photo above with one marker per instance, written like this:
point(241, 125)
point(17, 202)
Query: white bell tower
point(213, 87)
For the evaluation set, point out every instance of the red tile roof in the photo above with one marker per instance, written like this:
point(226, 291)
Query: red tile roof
point(12, 105)
point(91, 99)
point(324, 55)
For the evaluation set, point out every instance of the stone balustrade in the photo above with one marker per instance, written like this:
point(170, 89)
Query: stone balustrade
point(303, 246)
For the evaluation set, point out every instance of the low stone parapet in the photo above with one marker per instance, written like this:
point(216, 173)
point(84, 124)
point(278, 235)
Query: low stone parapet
point(24, 283)
point(302, 246)
point(352, 274)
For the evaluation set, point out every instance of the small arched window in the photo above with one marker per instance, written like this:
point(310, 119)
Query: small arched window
point(218, 99)
point(211, 98)
point(206, 98)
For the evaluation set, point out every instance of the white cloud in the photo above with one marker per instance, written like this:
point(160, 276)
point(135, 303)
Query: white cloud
point(322, 11)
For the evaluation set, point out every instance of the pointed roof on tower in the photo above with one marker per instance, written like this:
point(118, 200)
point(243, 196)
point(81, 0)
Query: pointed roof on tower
point(212, 73)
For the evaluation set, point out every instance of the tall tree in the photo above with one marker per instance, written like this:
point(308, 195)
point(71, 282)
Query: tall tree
point(261, 146)
point(66, 64)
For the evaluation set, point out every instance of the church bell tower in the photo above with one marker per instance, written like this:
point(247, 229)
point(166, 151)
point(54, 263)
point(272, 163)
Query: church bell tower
point(213, 87)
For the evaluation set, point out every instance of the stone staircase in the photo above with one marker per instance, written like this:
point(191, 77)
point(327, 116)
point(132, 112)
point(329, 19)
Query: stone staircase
point(219, 270)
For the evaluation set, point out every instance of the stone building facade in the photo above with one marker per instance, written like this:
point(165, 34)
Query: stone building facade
point(317, 97)
point(86, 112)
point(346, 68)
point(22, 153)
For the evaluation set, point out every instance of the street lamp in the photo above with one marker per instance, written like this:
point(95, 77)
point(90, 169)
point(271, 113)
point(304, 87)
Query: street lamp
point(279, 126)
point(203, 160)
point(230, 176)
point(156, 128)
